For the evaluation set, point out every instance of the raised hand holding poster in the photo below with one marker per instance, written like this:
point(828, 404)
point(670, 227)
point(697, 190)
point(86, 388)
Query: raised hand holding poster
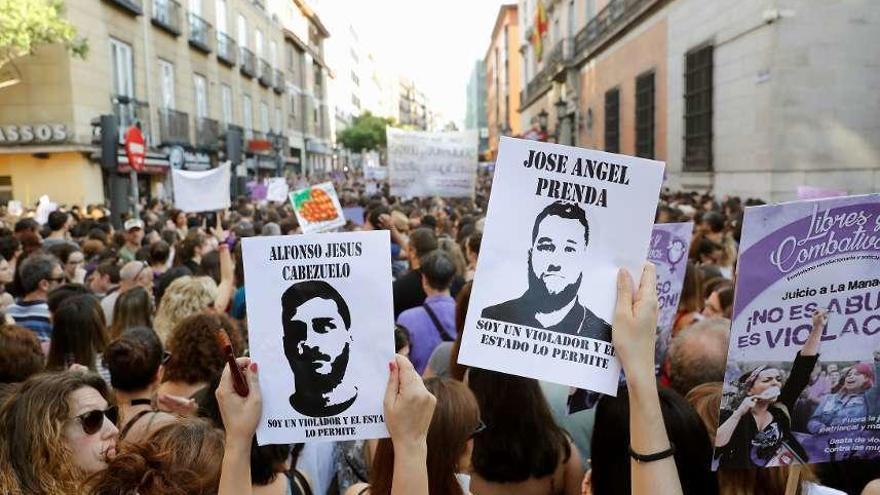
point(321, 327)
point(802, 387)
point(317, 208)
point(560, 223)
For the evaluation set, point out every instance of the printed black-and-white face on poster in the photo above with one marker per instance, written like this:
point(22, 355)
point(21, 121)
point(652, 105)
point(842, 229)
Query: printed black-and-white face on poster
point(322, 341)
point(561, 221)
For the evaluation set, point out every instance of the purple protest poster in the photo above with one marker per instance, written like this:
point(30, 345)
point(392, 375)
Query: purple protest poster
point(668, 251)
point(799, 389)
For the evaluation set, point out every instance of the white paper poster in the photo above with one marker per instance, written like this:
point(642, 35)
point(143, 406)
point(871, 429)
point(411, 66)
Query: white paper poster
point(317, 208)
point(321, 327)
point(206, 190)
point(424, 164)
point(561, 221)
point(277, 189)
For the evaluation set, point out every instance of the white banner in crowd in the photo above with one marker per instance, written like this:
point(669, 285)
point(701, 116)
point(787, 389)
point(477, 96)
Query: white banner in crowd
point(560, 223)
point(277, 189)
point(426, 164)
point(322, 340)
point(203, 190)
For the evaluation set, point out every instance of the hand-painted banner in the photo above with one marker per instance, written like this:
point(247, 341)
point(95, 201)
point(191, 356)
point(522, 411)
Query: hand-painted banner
point(813, 386)
point(317, 208)
point(425, 164)
point(561, 222)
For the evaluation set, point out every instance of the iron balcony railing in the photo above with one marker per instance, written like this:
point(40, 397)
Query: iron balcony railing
point(601, 27)
point(135, 7)
point(166, 15)
point(278, 85)
point(226, 49)
point(207, 133)
point(199, 33)
point(128, 112)
point(247, 63)
point(265, 73)
point(173, 127)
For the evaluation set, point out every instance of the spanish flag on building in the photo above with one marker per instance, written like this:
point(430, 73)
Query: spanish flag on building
point(539, 30)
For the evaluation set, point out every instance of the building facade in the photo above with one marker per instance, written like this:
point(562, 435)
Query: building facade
point(740, 97)
point(475, 117)
point(187, 75)
point(503, 65)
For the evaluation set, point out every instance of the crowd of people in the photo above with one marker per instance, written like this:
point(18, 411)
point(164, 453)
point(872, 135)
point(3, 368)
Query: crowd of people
point(111, 381)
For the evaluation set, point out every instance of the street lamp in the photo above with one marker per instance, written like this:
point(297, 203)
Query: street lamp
point(542, 120)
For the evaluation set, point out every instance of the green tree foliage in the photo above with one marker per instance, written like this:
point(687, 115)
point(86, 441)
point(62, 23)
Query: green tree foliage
point(27, 24)
point(366, 132)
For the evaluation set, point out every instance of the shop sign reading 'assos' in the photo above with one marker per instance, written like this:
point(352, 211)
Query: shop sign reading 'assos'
point(33, 133)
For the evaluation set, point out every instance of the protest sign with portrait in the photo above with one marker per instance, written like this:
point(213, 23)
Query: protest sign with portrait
point(560, 223)
point(811, 384)
point(323, 342)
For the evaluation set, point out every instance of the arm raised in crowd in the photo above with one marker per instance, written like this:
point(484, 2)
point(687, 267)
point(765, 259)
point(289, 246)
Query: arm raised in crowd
point(633, 330)
point(240, 418)
point(408, 410)
point(226, 288)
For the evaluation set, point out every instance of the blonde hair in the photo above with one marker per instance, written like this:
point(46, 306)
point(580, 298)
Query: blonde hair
point(185, 297)
point(706, 400)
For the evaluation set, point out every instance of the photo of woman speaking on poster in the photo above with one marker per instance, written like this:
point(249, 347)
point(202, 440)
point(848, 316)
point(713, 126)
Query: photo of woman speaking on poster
point(758, 432)
point(850, 404)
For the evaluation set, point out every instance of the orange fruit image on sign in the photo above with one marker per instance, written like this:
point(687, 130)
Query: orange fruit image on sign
point(317, 206)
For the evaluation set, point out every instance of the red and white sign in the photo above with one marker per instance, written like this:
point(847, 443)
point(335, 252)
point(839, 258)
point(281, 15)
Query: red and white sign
point(134, 148)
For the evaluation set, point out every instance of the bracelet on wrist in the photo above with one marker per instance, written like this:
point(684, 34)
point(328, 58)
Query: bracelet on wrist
point(653, 457)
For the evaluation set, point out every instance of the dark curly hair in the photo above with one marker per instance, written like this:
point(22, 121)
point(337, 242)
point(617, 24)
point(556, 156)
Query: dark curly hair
point(133, 359)
point(20, 354)
point(195, 354)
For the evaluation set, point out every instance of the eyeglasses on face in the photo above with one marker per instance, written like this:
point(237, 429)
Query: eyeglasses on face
point(92, 421)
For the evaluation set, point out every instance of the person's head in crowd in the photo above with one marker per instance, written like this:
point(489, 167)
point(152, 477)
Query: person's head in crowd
point(40, 273)
point(521, 439)
point(105, 277)
point(709, 252)
point(178, 218)
point(856, 379)
point(192, 248)
point(179, 458)
point(6, 272)
point(91, 248)
point(196, 359)
point(560, 236)
point(184, 297)
point(133, 308)
point(79, 333)
point(288, 225)
point(719, 304)
point(26, 226)
point(401, 340)
point(698, 354)
point(167, 278)
point(135, 274)
point(10, 249)
point(421, 242)
point(170, 236)
point(454, 251)
point(712, 225)
point(462, 301)
point(373, 218)
point(20, 354)
point(244, 229)
point(437, 271)
point(428, 222)
point(58, 428)
point(454, 424)
point(59, 223)
point(210, 265)
point(706, 401)
point(610, 458)
point(71, 258)
point(270, 228)
point(30, 242)
point(317, 342)
point(62, 293)
point(691, 300)
point(158, 255)
point(134, 360)
point(472, 248)
point(100, 234)
point(400, 221)
point(271, 461)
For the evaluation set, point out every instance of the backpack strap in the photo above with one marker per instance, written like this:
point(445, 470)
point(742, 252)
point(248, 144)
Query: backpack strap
point(443, 333)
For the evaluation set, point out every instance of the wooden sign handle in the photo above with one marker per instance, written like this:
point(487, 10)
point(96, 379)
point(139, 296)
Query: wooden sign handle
point(794, 477)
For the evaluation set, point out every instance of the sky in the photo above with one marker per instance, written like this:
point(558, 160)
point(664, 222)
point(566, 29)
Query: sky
point(433, 42)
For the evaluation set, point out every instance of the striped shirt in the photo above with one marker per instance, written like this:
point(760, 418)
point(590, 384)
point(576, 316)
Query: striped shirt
point(33, 315)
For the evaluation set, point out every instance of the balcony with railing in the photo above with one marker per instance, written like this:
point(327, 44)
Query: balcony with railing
point(128, 112)
point(226, 49)
point(135, 7)
point(247, 62)
point(265, 73)
point(278, 82)
point(609, 20)
point(207, 133)
point(199, 33)
point(166, 15)
point(173, 127)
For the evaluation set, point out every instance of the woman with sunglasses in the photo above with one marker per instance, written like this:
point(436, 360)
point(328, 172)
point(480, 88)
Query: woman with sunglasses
point(523, 450)
point(450, 441)
point(136, 363)
point(57, 430)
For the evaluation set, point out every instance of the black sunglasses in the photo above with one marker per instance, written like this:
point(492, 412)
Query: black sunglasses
point(481, 427)
point(93, 420)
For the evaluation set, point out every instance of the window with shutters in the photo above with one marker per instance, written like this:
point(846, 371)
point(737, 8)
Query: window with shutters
point(645, 115)
point(612, 120)
point(698, 110)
